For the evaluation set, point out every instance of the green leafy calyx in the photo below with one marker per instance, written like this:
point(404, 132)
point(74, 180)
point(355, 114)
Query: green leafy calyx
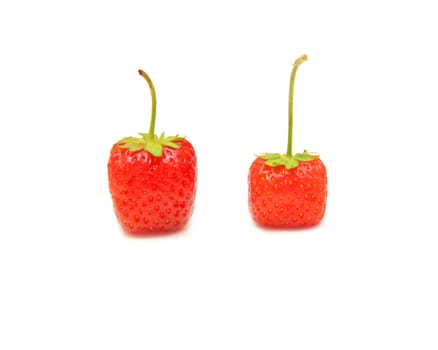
point(152, 144)
point(290, 162)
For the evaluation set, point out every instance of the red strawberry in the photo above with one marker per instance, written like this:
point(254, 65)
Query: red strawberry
point(152, 180)
point(288, 190)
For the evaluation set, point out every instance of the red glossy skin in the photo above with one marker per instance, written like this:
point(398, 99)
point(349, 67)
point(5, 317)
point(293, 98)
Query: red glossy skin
point(284, 198)
point(153, 194)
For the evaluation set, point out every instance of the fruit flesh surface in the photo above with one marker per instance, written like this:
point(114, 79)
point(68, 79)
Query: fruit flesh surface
point(153, 194)
point(284, 198)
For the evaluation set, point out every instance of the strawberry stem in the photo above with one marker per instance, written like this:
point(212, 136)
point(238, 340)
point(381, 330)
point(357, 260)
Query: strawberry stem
point(154, 102)
point(297, 63)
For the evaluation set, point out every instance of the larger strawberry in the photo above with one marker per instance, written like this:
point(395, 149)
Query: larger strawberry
point(288, 190)
point(152, 179)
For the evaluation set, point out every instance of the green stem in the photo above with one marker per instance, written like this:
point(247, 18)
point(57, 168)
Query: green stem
point(154, 102)
point(297, 63)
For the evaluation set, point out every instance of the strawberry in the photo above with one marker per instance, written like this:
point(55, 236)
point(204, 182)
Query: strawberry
point(288, 190)
point(152, 180)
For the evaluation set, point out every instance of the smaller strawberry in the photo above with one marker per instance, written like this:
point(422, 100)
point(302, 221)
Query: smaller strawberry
point(288, 190)
point(152, 180)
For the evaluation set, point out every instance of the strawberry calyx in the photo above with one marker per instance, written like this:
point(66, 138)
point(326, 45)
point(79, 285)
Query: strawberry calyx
point(153, 144)
point(150, 142)
point(290, 162)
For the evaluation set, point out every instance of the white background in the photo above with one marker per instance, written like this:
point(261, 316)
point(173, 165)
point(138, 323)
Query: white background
point(366, 100)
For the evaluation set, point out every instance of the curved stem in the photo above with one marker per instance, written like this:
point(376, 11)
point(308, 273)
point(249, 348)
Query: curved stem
point(154, 102)
point(297, 63)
